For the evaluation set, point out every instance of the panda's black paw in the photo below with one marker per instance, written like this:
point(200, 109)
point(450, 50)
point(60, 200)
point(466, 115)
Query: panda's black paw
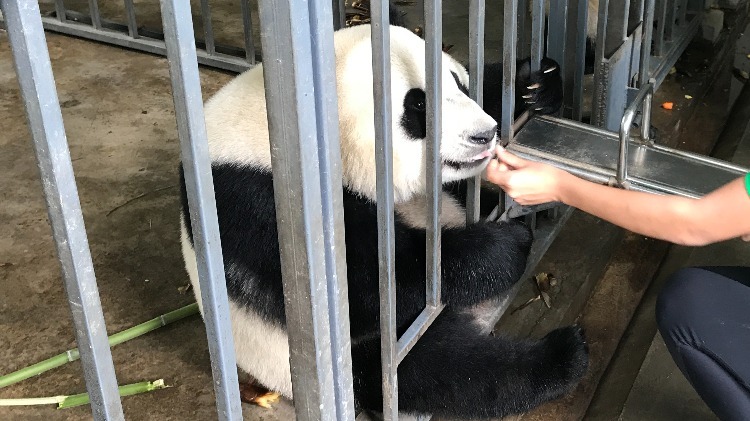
point(566, 359)
point(540, 91)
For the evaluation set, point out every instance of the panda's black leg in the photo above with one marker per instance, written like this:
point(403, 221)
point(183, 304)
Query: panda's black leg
point(455, 371)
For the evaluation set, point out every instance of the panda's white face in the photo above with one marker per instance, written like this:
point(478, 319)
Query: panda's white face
point(468, 133)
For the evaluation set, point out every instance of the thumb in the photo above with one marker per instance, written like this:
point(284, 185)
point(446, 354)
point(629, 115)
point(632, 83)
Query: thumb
point(509, 159)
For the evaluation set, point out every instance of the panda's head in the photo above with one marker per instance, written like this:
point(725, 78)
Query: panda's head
point(468, 133)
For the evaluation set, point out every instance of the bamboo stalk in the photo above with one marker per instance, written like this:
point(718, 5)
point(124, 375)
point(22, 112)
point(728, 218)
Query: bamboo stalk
point(83, 398)
point(115, 339)
point(126, 390)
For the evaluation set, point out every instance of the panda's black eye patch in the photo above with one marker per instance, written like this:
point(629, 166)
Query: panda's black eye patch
point(461, 86)
point(414, 119)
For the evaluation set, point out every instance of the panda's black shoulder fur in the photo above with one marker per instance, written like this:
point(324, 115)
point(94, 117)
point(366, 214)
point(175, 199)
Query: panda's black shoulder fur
point(249, 240)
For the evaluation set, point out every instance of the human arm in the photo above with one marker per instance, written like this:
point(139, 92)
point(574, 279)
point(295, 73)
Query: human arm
point(718, 216)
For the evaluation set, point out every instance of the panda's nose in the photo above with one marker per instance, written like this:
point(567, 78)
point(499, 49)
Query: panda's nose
point(482, 138)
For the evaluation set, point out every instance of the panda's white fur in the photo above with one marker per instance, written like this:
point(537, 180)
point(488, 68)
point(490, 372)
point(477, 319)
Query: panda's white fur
point(237, 132)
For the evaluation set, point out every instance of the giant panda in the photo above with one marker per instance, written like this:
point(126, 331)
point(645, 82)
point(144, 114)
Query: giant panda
point(453, 370)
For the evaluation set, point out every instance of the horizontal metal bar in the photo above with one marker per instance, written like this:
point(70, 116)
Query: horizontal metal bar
point(188, 102)
point(34, 72)
point(153, 46)
point(416, 330)
point(678, 45)
point(701, 158)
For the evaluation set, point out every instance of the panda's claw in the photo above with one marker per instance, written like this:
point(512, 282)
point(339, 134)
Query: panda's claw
point(527, 96)
point(534, 86)
point(551, 69)
point(258, 395)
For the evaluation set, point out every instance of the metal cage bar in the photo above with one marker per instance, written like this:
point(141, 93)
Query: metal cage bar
point(329, 159)
point(188, 102)
point(247, 31)
point(476, 88)
point(303, 126)
point(433, 68)
point(208, 28)
point(60, 10)
point(537, 34)
point(132, 22)
point(510, 39)
point(381, 52)
point(644, 72)
point(34, 72)
point(96, 19)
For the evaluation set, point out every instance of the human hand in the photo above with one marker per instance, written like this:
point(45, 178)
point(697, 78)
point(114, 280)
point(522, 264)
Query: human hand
point(528, 183)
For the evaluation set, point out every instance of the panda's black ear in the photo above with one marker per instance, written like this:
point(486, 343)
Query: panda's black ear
point(461, 86)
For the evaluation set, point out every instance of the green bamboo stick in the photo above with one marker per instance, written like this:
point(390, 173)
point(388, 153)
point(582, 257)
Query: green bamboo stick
point(115, 339)
point(83, 398)
point(126, 390)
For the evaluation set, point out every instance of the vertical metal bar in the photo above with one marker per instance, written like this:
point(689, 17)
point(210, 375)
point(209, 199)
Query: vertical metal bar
point(669, 19)
point(34, 72)
point(339, 14)
point(646, 119)
point(602, 37)
point(208, 29)
point(577, 53)
point(301, 102)
point(523, 30)
point(381, 69)
point(247, 28)
point(96, 20)
point(510, 39)
point(557, 38)
point(537, 34)
point(329, 158)
point(60, 10)
point(683, 13)
point(644, 72)
point(661, 16)
point(476, 89)
point(433, 68)
point(186, 90)
point(132, 23)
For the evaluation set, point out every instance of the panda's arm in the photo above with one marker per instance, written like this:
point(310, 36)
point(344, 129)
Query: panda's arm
point(483, 260)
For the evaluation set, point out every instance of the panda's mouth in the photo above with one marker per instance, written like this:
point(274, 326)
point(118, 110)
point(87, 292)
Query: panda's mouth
point(474, 161)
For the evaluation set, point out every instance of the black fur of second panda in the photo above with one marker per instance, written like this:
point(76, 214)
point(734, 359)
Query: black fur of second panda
point(471, 375)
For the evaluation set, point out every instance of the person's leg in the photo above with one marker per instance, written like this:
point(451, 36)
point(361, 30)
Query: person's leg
point(704, 318)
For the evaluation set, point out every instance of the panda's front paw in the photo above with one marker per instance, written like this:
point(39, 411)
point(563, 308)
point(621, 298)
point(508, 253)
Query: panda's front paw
point(566, 359)
point(540, 91)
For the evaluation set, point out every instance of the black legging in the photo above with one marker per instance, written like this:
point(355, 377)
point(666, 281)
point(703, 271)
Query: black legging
point(704, 317)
